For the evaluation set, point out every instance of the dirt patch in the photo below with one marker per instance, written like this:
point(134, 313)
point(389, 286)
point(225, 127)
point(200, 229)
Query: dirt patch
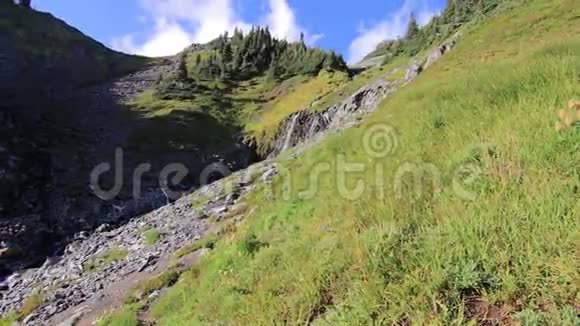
point(114, 296)
point(486, 314)
point(325, 301)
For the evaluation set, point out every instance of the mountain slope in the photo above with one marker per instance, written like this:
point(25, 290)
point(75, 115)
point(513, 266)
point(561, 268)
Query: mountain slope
point(468, 214)
point(249, 82)
point(71, 105)
point(440, 255)
point(43, 55)
point(45, 66)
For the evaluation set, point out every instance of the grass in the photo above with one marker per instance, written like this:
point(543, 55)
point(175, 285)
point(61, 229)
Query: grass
point(207, 121)
point(104, 259)
point(207, 242)
point(128, 314)
point(366, 77)
point(149, 286)
point(152, 236)
point(9, 320)
point(221, 109)
point(256, 94)
point(29, 305)
point(508, 251)
point(296, 97)
point(124, 317)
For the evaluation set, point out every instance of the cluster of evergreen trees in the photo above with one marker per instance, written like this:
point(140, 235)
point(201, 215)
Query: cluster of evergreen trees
point(457, 13)
point(241, 57)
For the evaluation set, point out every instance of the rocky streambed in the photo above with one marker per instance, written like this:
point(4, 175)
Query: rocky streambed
point(94, 262)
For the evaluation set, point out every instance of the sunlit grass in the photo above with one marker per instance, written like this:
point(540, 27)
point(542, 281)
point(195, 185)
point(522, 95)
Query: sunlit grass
point(104, 259)
point(290, 99)
point(333, 261)
point(29, 305)
point(127, 316)
point(152, 236)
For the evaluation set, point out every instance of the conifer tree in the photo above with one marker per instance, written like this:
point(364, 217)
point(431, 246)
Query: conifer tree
point(413, 28)
point(24, 3)
point(182, 74)
point(242, 57)
point(272, 73)
point(227, 53)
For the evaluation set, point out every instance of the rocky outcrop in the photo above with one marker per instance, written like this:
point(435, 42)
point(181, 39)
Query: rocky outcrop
point(47, 155)
point(306, 125)
point(439, 52)
point(68, 281)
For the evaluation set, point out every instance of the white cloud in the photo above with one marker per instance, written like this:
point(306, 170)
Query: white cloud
point(168, 38)
point(393, 27)
point(207, 19)
point(282, 21)
point(178, 23)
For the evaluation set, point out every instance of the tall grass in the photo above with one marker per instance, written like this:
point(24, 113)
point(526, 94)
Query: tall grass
point(509, 253)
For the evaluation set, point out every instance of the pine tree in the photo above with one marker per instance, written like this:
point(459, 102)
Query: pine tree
point(182, 74)
point(25, 3)
point(272, 73)
point(413, 28)
point(227, 54)
point(258, 53)
point(302, 43)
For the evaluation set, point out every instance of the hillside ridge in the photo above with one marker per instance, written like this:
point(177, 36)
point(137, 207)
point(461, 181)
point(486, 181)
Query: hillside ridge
point(174, 220)
point(431, 188)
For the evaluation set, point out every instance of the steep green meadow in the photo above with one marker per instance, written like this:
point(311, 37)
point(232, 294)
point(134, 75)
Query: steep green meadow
point(246, 83)
point(255, 107)
point(490, 236)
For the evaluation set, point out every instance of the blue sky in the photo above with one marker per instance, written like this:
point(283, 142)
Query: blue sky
point(164, 27)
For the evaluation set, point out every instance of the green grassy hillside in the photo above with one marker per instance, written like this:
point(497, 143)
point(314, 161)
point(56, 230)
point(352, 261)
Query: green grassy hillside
point(491, 235)
point(222, 108)
point(247, 83)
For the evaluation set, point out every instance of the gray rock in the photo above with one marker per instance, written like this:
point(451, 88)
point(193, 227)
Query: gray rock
point(438, 53)
point(218, 211)
point(413, 71)
point(103, 228)
point(269, 175)
point(64, 284)
point(29, 319)
point(50, 261)
point(306, 125)
point(72, 321)
point(154, 295)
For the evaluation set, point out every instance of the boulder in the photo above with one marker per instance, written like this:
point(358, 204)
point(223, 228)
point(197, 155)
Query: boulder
point(413, 71)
